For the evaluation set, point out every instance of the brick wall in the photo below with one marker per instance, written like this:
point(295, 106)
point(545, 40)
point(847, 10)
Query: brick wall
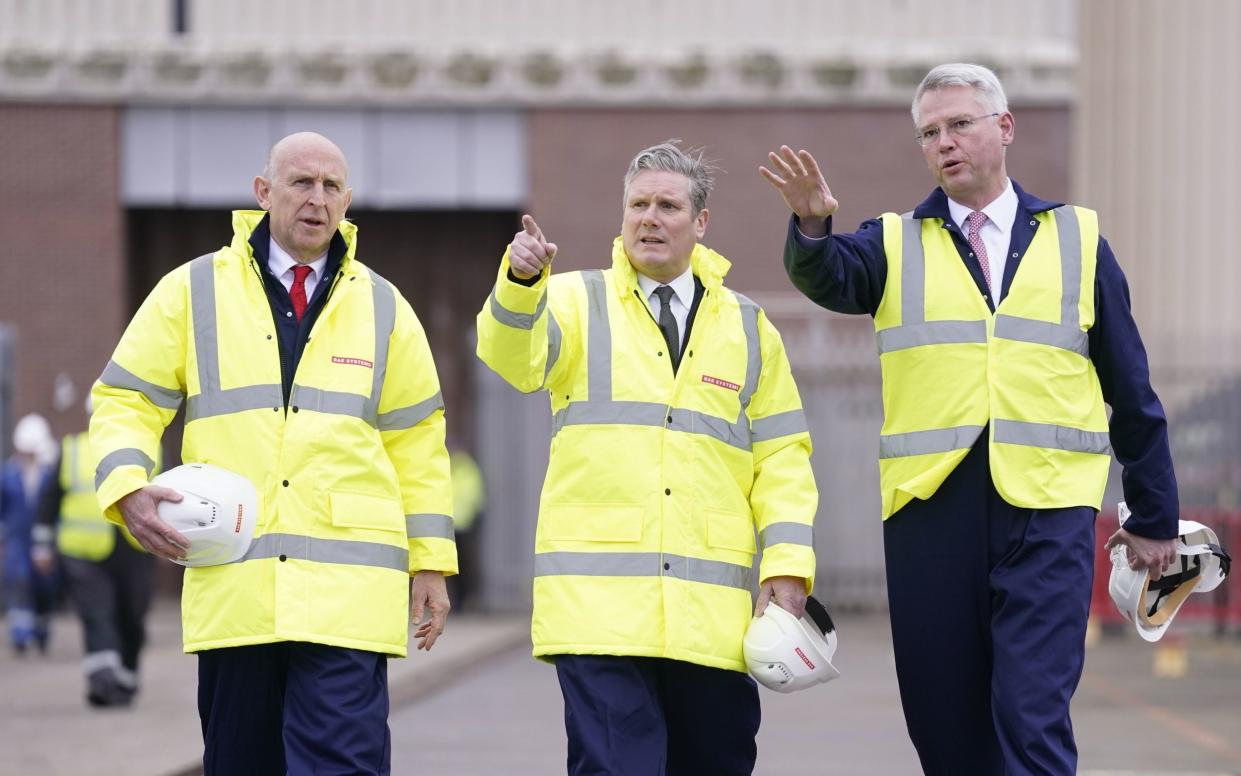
point(62, 234)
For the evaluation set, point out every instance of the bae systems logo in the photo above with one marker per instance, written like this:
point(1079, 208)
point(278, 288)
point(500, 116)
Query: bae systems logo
point(721, 383)
point(240, 510)
point(803, 657)
point(354, 361)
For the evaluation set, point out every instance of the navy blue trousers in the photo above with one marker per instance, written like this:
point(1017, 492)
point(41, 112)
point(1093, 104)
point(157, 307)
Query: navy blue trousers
point(643, 716)
point(295, 708)
point(988, 605)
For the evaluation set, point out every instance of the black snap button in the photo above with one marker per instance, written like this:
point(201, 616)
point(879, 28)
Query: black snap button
point(669, 420)
point(667, 491)
point(275, 409)
point(283, 558)
point(285, 483)
point(691, 354)
point(268, 336)
point(295, 408)
point(660, 354)
point(667, 566)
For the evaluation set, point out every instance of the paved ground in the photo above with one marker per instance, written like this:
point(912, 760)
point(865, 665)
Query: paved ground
point(478, 704)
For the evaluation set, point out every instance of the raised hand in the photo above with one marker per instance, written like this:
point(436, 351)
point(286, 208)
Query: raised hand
point(529, 252)
point(803, 188)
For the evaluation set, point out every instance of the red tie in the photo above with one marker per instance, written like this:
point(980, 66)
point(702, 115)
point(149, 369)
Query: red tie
point(976, 220)
point(297, 292)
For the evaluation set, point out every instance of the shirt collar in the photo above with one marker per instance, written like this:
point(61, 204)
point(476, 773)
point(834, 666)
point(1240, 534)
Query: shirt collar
point(1002, 211)
point(281, 262)
point(682, 286)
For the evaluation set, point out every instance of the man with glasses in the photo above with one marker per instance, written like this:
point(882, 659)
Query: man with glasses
point(996, 442)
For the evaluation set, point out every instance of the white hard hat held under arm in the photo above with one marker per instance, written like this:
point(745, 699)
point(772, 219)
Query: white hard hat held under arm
point(217, 512)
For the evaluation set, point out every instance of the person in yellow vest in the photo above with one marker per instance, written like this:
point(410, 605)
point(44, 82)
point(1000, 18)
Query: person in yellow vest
point(305, 371)
point(109, 575)
point(469, 499)
point(678, 434)
point(1003, 327)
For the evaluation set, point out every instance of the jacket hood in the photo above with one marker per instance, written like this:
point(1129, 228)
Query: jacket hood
point(246, 221)
point(709, 266)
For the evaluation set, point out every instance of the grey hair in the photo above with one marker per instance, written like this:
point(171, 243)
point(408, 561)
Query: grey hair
point(669, 157)
point(985, 83)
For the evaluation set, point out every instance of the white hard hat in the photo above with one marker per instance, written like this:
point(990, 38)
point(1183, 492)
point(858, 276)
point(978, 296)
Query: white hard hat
point(1150, 605)
point(32, 435)
point(785, 653)
point(217, 512)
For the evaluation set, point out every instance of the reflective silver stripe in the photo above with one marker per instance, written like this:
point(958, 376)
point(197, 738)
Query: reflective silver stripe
point(206, 345)
point(1017, 432)
point(126, 456)
point(787, 533)
point(939, 440)
point(75, 478)
point(1068, 334)
point(1043, 333)
point(117, 376)
point(778, 425)
point(931, 333)
point(251, 397)
point(516, 320)
point(384, 299)
point(1070, 266)
point(294, 547)
point(641, 564)
point(754, 356)
point(408, 417)
point(210, 401)
point(331, 403)
point(639, 413)
point(913, 272)
point(629, 413)
point(599, 337)
point(554, 338)
point(429, 526)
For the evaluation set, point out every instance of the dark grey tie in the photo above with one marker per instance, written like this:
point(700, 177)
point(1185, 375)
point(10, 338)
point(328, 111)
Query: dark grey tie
point(668, 324)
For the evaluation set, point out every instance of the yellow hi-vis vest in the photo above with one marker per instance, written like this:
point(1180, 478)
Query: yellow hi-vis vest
point(83, 532)
point(656, 482)
point(951, 368)
point(353, 478)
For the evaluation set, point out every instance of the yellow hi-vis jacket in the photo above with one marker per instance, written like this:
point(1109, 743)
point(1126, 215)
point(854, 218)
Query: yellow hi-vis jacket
point(83, 532)
point(353, 478)
point(656, 483)
point(952, 368)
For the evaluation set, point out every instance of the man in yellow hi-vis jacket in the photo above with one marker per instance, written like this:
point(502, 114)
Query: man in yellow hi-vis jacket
point(678, 433)
point(309, 374)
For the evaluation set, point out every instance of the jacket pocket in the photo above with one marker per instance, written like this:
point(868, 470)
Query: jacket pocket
point(730, 531)
point(592, 522)
point(360, 510)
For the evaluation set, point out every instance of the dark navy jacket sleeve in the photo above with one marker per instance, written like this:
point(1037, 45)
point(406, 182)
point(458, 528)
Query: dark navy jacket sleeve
point(844, 273)
point(1139, 428)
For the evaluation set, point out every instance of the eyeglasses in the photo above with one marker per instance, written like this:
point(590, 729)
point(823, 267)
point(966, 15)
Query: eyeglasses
point(957, 128)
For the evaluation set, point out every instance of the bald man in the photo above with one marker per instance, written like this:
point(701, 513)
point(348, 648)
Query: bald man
point(309, 374)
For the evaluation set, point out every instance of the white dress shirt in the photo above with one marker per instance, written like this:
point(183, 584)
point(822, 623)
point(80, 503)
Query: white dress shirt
point(995, 233)
point(281, 265)
point(682, 298)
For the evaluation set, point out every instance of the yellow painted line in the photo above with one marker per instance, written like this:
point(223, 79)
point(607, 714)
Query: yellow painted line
point(1185, 727)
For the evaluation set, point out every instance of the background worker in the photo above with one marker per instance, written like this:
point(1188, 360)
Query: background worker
point(310, 375)
point(469, 500)
point(678, 431)
point(29, 592)
point(108, 574)
point(1003, 327)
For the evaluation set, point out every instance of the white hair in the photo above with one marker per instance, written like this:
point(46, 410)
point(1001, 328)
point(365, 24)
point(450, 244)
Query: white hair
point(985, 83)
